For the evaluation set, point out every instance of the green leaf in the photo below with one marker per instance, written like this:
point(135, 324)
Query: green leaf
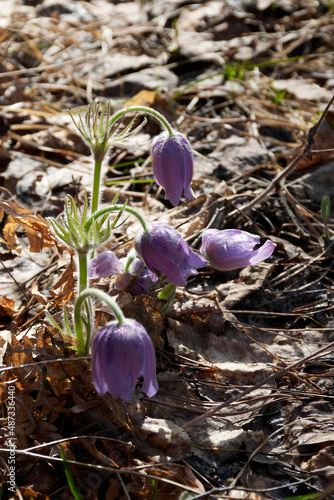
point(54, 323)
point(325, 206)
point(85, 210)
point(66, 323)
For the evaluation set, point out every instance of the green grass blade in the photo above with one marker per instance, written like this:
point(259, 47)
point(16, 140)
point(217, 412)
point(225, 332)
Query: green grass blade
point(128, 163)
point(69, 477)
point(131, 181)
point(2, 485)
point(303, 497)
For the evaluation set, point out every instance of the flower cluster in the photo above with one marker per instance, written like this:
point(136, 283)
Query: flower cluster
point(163, 250)
point(122, 353)
point(122, 350)
point(136, 279)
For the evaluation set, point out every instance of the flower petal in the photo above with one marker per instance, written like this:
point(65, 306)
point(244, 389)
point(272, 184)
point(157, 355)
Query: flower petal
point(262, 253)
point(121, 354)
point(163, 249)
point(232, 248)
point(150, 384)
point(126, 364)
point(173, 161)
point(105, 264)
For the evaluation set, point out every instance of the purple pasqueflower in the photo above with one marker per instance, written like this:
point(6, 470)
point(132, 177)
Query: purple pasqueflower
point(121, 354)
point(232, 248)
point(136, 279)
point(104, 264)
point(163, 249)
point(173, 162)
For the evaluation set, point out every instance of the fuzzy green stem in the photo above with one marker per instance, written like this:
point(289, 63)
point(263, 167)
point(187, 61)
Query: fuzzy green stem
point(83, 270)
point(84, 295)
point(115, 208)
point(165, 292)
point(130, 259)
point(145, 109)
point(96, 186)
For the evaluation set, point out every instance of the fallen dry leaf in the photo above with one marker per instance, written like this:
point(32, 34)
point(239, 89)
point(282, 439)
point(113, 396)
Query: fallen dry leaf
point(7, 307)
point(40, 234)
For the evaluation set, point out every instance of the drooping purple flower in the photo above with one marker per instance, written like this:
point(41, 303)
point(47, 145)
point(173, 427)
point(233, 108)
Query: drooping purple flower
point(232, 248)
point(173, 162)
point(163, 249)
point(121, 354)
point(136, 279)
point(105, 264)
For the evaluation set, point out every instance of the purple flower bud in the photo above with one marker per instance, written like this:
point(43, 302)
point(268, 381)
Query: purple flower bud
point(141, 284)
point(173, 162)
point(231, 249)
point(121, 354)
point(104, 264)
point(163, 249)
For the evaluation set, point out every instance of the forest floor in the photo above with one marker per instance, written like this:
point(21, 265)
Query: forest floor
point(245, 358)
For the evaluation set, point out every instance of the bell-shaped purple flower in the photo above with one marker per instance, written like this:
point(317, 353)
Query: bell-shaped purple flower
point(163, 249)
point(173, 162)
point(104, 264)
point(121, 354)
point(136, 279)
point(231, 249)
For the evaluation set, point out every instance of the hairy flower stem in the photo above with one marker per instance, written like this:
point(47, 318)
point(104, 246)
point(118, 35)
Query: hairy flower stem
point(167, 294)
point(115, 208)
point(82, 285)
point(83, 271)
point(145, 109)
point(167, 291)
point(96, 186)
point(79, 303)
